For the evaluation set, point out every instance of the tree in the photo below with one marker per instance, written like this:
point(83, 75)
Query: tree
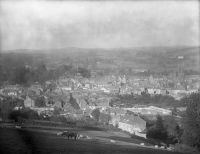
point(73, 102)
point(40, 102)
point(42, 74)
point(179, 133)
point(159, 123)
point(8, 104)
point(191, 122)
point(18, 115)
point(157, 131)
point(84, 72)
point(20, 75)
point(56, 110)
point(96, 114)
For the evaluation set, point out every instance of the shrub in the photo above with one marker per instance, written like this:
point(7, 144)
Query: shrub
point(185, 148)
point(19, 115)
point(156, 133)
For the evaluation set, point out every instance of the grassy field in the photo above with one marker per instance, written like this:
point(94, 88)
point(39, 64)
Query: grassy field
point(29, 141)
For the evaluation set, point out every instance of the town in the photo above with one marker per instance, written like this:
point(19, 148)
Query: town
point(130, 103)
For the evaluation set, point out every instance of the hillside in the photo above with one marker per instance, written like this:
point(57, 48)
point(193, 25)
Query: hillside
point(154, 59)
point(30, 141)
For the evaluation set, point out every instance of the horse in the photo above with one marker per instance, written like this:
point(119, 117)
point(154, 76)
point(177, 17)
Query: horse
point(70, 135)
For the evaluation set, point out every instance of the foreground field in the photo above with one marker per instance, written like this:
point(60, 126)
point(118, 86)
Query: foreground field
point(28, 141)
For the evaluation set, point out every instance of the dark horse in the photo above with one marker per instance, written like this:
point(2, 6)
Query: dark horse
point(70, 135)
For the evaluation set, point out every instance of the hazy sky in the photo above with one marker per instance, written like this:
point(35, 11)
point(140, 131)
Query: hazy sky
point(99, 24)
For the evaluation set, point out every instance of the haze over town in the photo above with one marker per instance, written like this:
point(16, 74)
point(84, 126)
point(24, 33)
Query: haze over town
point(98, 24)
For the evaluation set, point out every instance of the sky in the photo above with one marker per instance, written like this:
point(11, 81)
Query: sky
point(98, 24)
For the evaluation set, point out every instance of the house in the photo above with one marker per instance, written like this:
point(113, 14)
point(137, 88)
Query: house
point(18, 108)
point(153, 91)
point(72, 101)
point(105, 90)
point(1, 97)
point(36, 89)
point(29, 102)
point(132, 124)
point(159, 111)
point(103, 101)
point(114, 120)
point(87, 85)
point(66, 88)
point(117, 111)
point(115, 114)
point(83, 103)
point(44, 110)
point(10, 91)
point(57, 104)
point(181, 109)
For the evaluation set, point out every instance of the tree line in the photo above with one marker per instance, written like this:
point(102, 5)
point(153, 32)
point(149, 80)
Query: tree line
point(188, 133)
point(26, 75)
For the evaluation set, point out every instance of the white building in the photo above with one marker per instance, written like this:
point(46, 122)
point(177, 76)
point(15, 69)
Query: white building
point(28, 102)
point(132, 124)
point(151, 110)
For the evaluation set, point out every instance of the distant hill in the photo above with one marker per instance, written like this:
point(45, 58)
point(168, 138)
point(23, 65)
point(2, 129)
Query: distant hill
point(156, 59)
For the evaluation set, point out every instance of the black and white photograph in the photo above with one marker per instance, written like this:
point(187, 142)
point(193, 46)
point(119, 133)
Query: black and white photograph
point(99, 76)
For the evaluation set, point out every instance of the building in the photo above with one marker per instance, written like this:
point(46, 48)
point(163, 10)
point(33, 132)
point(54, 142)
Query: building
point(150, 110)
point(36, 89)
point(44, 110)
point(132, 124)
point(29, 102)
point(11, 90)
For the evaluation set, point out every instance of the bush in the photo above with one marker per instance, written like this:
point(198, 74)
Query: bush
point(84, 72)
point(62, 119)
point(96, 114)
point(185, 148)
point(19, 115)
point(87, 123)
point(40, 102)
point(156, 133)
